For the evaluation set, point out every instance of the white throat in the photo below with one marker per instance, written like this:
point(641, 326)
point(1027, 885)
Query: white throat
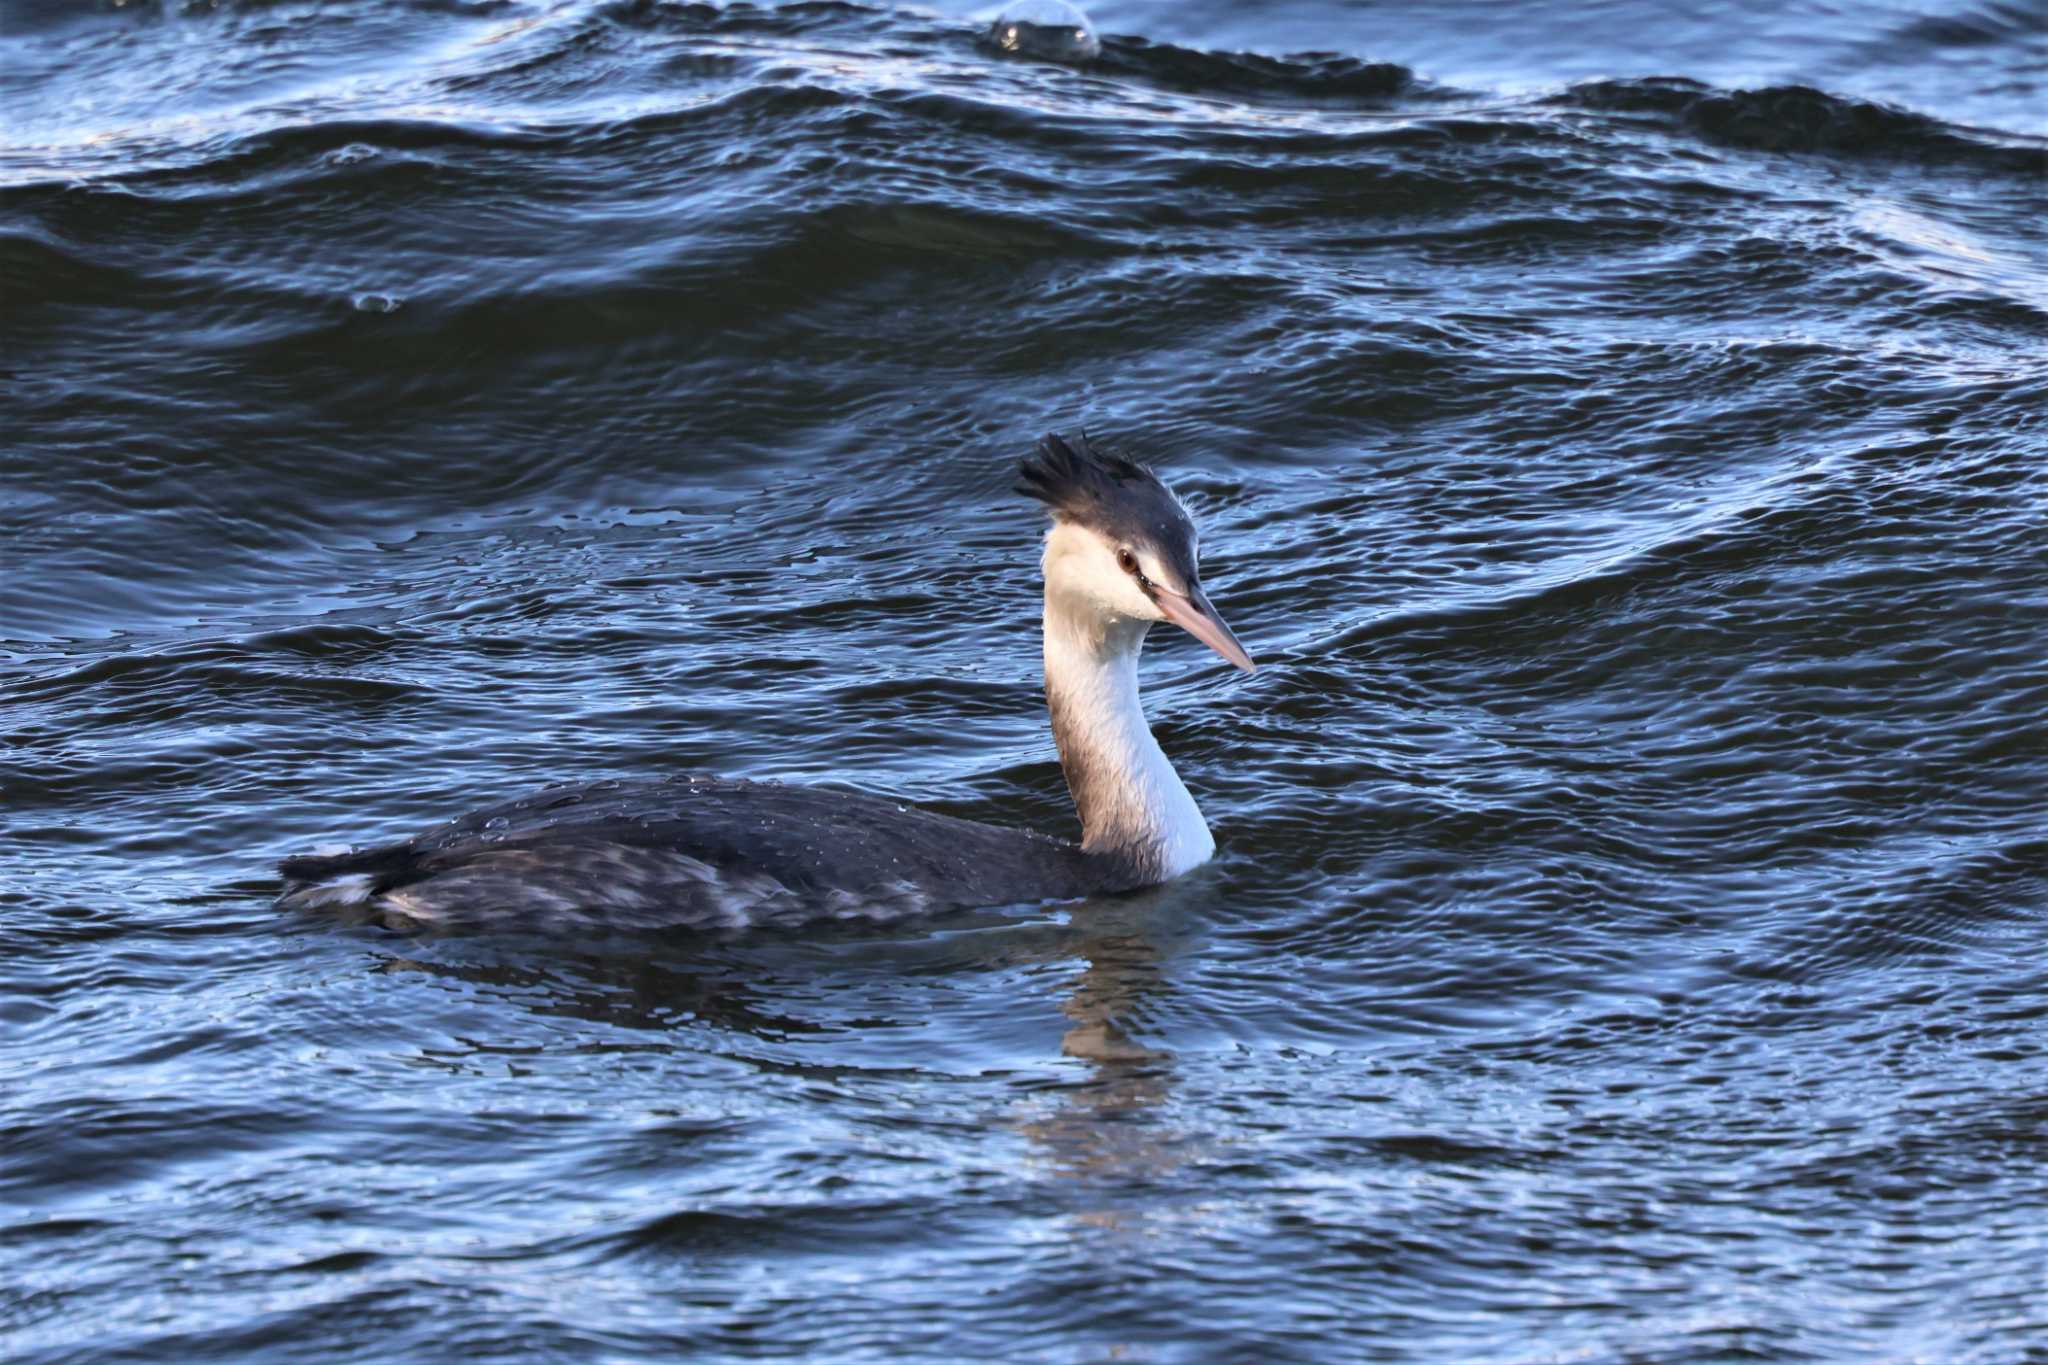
point(1128, 796)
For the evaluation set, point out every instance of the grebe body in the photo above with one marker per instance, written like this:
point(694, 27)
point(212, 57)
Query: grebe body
point(708, 852)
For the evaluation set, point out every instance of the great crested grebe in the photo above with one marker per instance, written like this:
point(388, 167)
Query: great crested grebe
point(721, 853)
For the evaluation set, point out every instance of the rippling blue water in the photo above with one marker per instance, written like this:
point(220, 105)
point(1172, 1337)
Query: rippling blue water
point(1619, 434)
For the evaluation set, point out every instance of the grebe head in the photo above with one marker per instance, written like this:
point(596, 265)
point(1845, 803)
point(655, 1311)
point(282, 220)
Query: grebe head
point(1122, 551)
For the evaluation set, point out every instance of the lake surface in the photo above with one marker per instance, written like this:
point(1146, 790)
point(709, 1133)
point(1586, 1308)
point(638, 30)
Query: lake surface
point(1621, 436)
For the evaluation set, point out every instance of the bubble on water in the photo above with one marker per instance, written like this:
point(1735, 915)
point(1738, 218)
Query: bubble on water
point(353, 153)
point(376, 303)
point(1049, 29)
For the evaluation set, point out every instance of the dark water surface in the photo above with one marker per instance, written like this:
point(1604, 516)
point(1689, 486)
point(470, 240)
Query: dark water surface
point(1620, 435)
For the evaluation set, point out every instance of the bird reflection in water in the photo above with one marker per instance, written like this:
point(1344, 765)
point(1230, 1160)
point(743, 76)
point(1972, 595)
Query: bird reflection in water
point(1111, 1127)
point(1098, 1128)
point(624, 993)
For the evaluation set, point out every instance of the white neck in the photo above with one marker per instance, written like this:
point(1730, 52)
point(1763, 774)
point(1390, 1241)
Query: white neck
point(1128, 796)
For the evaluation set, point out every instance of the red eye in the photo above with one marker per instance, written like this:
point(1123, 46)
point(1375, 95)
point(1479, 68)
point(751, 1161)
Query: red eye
point(1128, 562)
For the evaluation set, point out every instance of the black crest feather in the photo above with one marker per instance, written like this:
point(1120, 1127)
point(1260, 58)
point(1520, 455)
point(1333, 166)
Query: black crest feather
point(1109, 492)
point(1073, 476)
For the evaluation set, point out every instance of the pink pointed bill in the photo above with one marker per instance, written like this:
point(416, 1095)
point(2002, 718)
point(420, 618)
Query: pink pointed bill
point(1194, 615)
